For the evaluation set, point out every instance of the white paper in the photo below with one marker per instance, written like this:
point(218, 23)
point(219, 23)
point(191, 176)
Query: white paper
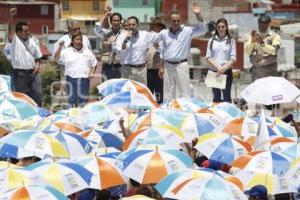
point(215, 80)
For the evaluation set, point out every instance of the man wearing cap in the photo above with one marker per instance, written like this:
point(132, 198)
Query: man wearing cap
point(257, 192)
point(175, 49)
point(132, 46)
point(263, 47)
point(154, 83)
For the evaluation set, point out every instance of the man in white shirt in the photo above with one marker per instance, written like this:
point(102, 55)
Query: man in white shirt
point(175, 49)
point(25, 58)
point(132, 46)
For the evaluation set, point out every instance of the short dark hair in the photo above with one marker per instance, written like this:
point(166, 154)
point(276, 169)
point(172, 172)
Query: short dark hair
point(135, 18)
point(174, 12)
point(19, 26)
point(115, 14)
point(74, 36)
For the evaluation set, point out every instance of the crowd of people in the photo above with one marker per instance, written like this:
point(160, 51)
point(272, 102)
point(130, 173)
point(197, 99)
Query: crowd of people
point(156, 58)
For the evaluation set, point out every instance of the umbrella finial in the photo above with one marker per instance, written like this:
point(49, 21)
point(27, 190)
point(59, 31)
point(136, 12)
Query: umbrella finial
point(156, 148)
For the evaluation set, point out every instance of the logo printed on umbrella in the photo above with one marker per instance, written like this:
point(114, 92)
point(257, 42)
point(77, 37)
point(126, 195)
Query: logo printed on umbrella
point(277, 97)
point(39, 142)
point(261, 163)
point(172, 164)
point(71, 180)
point(282, 184)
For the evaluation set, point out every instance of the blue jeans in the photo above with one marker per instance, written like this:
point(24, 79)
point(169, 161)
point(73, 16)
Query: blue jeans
point(226, 92)
point(78, 90)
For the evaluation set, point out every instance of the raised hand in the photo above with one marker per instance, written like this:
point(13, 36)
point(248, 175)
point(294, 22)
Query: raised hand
point(196, 8)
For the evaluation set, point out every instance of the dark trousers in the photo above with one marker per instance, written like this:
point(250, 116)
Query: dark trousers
point(155, 84)
point(78, 90)
point(26, 82)
point(110, 71)
point(226, 92)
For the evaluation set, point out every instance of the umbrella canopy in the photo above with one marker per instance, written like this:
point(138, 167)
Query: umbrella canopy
point(185, 104)
point(156, 135)
point(11, 177)
point(286, 147)
point(168, 183)
point(66, 177)
point(227, 111)
point(222, 147)
point(60, 123)
point(5, 83)
point(94, 113)
point(103, 138)
point(105, 170)
point(33, 192)
point(12, 151)
point(37, 142)
point(270, 90)
point(150, 166)
point(213, 187)
point(137, 197)
point(130, 99)
point(294, 172)
point(267, 162)
point(275, 184)
point(123, 85)
point(76, 145)
point(13, 108)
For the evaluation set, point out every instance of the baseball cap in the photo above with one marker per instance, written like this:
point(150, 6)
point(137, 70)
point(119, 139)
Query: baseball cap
point(259, 191)
point(264, 19)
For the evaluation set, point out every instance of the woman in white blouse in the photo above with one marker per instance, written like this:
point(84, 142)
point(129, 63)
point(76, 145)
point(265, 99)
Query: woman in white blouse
point(80, 64)
point(221, 55)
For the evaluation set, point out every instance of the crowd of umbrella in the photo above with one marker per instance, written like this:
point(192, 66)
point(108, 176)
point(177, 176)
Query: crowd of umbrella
point(84, 147)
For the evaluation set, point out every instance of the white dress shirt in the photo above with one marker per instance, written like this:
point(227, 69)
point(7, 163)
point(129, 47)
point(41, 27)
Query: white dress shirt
point(176, 46)
point(67, 41)
point(22, 57)
point(77, 64)
point(222, 51)
point(135, 52)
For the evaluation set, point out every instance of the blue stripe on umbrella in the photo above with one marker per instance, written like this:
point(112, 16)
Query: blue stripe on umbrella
point(81, 140)
point(223, 152)
point(113, 88)
point(203, 125)
point(55, 192)
point(118, 98)
point(211, 187)
point(181, 156)
point(109, 139)
point(84, 173)
point(163, 185)
point(280, 164)
point(18, 138)
point(132, 156)
point(285, 132)
point(271, 132)
point(153, 138)
point(27, 109)
point(8, 151)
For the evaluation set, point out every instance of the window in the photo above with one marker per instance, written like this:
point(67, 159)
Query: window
point(95, 4)
point(116, 2)
point(145, 2)
point(45, 29)
point(65, 5)
point(44, 9)
point(145, 18)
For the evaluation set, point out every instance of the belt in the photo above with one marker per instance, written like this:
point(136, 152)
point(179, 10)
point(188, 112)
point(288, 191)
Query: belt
point(136, 66)
point(176, 62)
point(24, 70)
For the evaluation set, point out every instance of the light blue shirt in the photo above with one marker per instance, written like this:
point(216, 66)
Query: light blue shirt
point(135, 52)
point(176, 46)
point(221, 51)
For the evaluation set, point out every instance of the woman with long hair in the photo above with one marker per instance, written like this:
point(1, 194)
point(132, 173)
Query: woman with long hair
point(80, 64)
point(221, 55)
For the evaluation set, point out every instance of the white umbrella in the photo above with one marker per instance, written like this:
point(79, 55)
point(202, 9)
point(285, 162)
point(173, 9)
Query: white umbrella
point(270, 90)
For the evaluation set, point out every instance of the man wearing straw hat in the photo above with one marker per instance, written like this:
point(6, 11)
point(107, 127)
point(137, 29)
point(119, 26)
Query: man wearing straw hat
point(175, 49)
point(154, 83)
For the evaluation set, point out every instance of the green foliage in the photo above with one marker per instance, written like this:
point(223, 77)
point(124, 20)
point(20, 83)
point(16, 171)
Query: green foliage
point(5, 66)
point(49, 75)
